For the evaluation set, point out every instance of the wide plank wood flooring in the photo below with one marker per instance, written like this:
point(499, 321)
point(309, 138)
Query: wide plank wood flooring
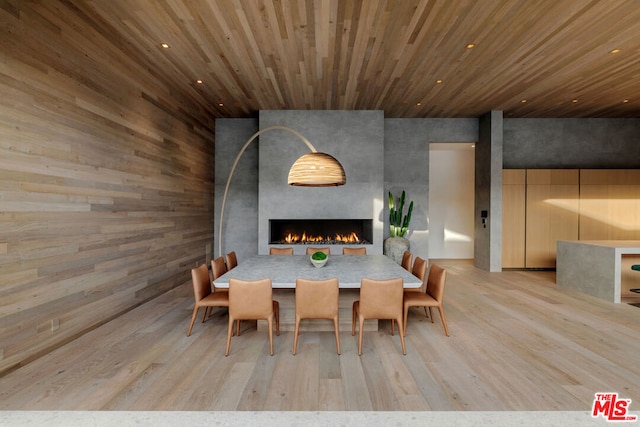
point(517, 343)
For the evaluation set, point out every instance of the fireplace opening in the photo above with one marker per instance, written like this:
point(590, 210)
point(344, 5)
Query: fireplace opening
point(321, 231)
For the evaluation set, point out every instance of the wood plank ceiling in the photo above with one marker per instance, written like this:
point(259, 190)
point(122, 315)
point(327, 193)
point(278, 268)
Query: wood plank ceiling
point(408, 58)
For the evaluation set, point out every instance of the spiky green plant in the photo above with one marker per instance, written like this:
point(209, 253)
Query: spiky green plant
point(397, 224)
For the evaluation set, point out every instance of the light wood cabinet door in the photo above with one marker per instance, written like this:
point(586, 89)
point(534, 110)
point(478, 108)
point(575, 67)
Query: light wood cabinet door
point(513, 217)
point(609, 204)
point(552, 204)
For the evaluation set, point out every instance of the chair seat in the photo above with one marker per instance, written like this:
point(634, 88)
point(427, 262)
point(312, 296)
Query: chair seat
point(419, 298)
point(217, 298)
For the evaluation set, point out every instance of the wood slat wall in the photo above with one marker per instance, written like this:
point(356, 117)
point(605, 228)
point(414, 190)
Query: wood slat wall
point(106, 179)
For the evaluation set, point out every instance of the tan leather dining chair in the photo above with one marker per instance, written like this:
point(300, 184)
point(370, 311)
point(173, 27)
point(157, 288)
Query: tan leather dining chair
point(218, 268)
point(232, 260)
point(311, 251)
point(252, 300)
point(203, 295)
point(407, 257)
point(280, 251)
point(379, 299)
point(354, 251)
point(420, 271)
point(316, 299)
point(431, 298)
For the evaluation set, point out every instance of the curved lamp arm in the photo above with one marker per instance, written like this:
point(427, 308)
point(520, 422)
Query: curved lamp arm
point(235, 163)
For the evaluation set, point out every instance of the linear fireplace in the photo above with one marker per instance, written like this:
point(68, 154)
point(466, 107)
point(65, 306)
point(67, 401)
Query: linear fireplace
point(320, 231)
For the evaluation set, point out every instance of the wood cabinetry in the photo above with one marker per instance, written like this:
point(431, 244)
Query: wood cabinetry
point(552, 204)
point(609, 204)
point(542, 206)
point(513, 217)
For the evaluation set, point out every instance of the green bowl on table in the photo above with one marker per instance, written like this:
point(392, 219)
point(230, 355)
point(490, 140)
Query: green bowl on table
point(318, 259)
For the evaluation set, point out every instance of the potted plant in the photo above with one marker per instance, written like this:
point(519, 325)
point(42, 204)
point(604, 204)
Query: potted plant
point(318, 259)
point(397, 244)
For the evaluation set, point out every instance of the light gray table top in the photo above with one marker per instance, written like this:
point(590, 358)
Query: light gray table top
point(283, 270)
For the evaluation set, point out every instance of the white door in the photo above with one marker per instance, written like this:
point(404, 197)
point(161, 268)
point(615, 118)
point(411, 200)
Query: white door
point(451, 200)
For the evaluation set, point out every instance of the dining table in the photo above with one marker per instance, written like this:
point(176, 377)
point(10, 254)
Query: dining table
point(283, 270)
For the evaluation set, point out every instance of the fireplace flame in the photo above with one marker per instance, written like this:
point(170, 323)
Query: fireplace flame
point(304, 238)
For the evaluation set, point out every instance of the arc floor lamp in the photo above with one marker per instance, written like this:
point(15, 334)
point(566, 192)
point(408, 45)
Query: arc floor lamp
point(313, 169)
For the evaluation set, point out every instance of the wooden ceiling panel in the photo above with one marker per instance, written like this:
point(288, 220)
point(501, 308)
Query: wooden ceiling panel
point(374, 54)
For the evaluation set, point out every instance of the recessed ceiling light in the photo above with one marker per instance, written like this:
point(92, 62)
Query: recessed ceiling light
point(220, 104)
point(523, 101)
point(165, 45)
point(438, 81)
point(418, 103)
point(625, 101)
point(615, 51)
point(199, 82)
point(471, 45)
point(574, 101)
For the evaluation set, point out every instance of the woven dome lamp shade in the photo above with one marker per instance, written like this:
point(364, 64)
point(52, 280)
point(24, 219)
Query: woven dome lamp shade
point(317, 170)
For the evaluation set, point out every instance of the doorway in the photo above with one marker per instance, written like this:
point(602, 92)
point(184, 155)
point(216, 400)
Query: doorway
point(451, 200)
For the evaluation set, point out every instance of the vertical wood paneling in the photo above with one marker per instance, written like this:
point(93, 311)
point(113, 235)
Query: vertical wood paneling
point(551, 214)
point(513, 218)
point(106, 179)
point(609, 204)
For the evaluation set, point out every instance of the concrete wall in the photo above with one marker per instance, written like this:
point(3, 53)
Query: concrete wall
point(406, 166)
point(240, 222)
point(403, 158)
point(355, 138)
point(488, 240)
point(571, 143)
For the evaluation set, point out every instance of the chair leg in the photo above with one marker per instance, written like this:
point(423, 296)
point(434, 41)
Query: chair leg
point(425, 312)
point(444, 321)
point(270, 322)
point(402, 334)
point(193, 319)
point(229, 333)
point(335, 327)
point(354, 310)
point(361, 324)
point(406, 314)
point(393, 322)
point(295, 334)
point(276, 311)
point(204, 315)
point(430, 315)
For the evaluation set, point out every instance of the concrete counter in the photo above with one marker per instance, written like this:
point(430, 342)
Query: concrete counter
point(593, 266)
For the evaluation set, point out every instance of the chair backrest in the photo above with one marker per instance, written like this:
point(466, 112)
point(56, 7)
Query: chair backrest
point(218, 267)
point(354, 251)
point(420, 271)
point(232, 260)
point(317, 298)
point(436, 281)
point(381, 299)
point(311, 251)
point(201, 282)
point(407, 257)
point(280, 251)
point(250, 299)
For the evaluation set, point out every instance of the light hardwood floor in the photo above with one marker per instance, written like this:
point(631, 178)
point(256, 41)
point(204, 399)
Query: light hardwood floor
point(517, 343)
